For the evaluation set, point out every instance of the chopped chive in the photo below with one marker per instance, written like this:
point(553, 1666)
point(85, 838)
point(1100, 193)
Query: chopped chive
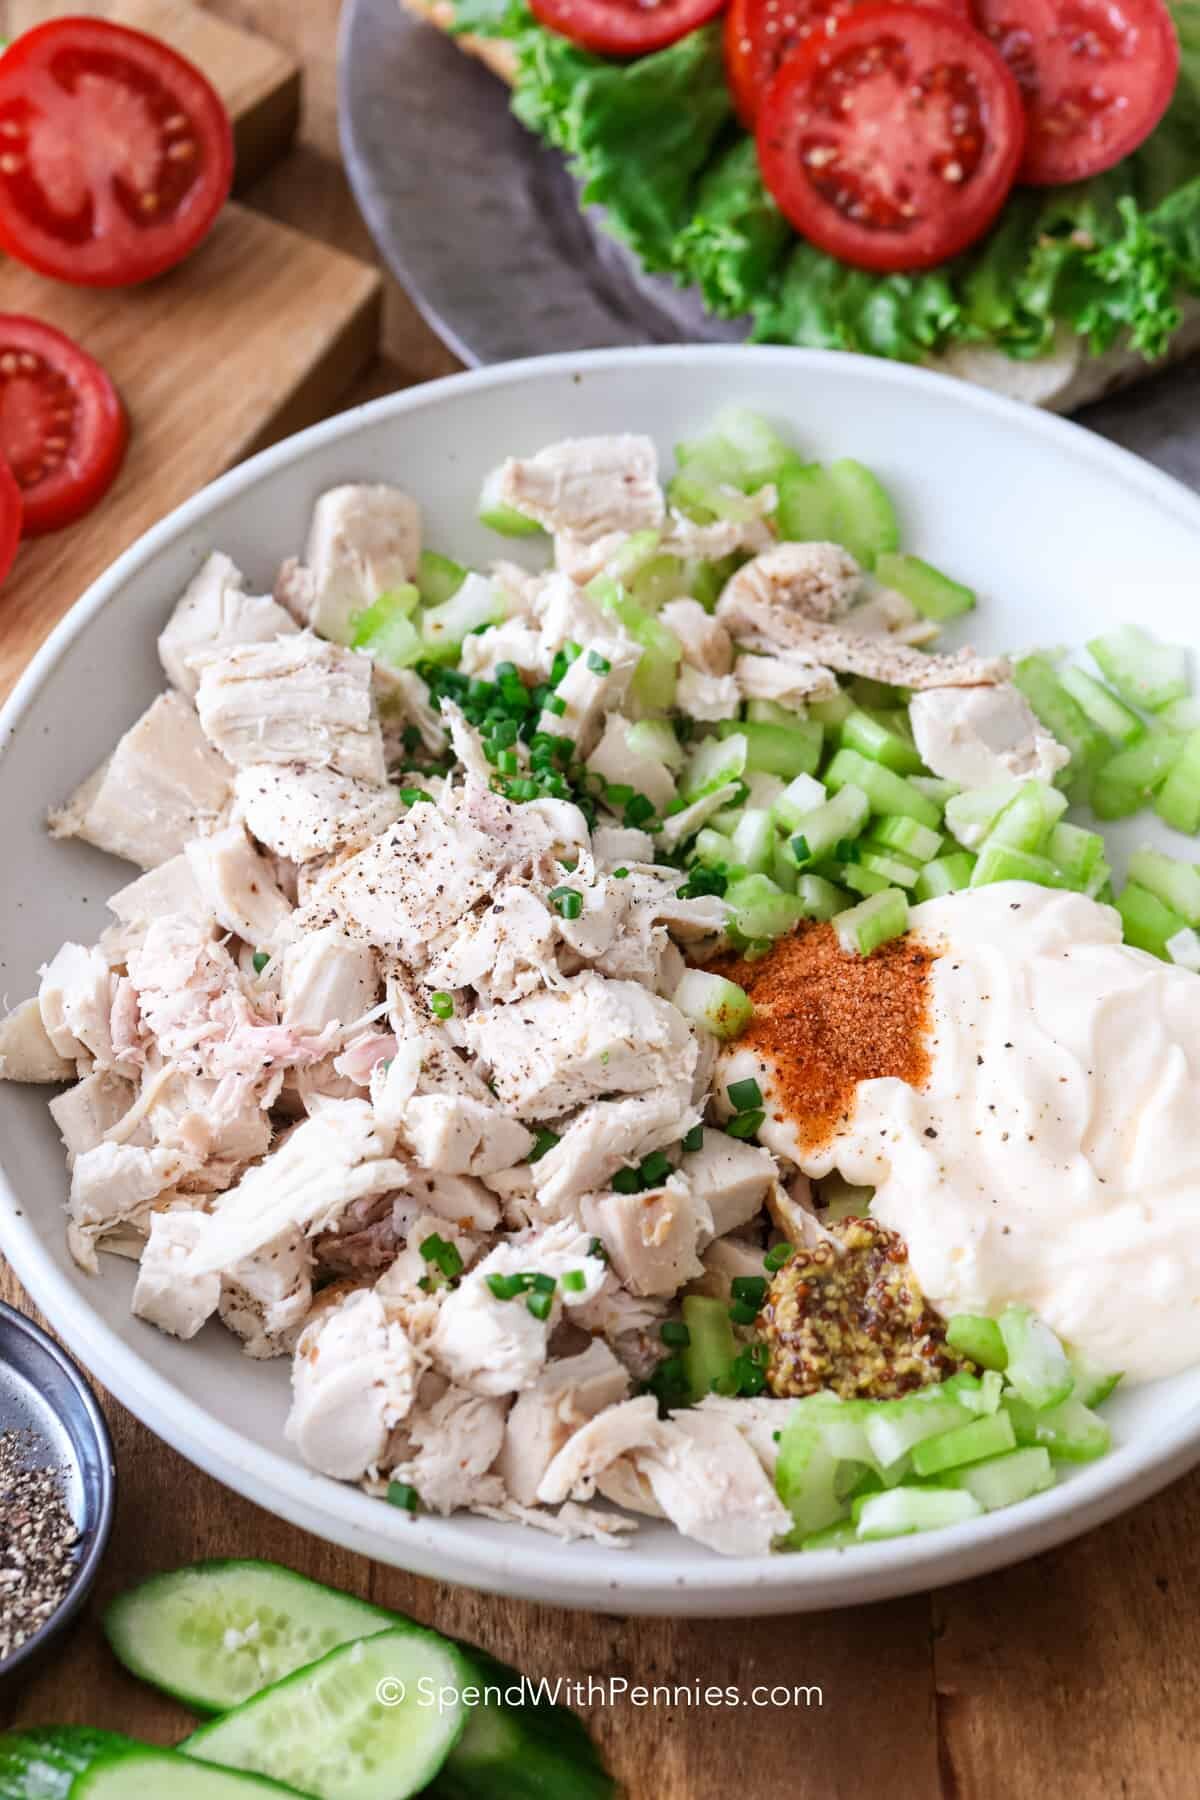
point(638, 810)
point(744, 1095)
point(599, 665)
point(540, 1304)
point(507, 762)
point(596, 1248)
point(674, 1331)
point(742, 1313)
point(542, 1141)
point(411, 795)
point(620, 874)
point(433, 1246)
point(776, 1256)
point(401, 1494)
point(800, 850)
point(554, 703)
point(694, 1140)
point(571, 650)
point(618, 793)
point(627, 1181)
point(442, 1004)
point(567, 901)
point(541, 1283)
point(260, 959)
point(574, 1281)
point(410, 737)
point(505, 1287)
point(746, 1124)
point(750, 1288)
point(654, 1168)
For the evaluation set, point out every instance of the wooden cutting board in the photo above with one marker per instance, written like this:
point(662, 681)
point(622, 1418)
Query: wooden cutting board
point(262, 331)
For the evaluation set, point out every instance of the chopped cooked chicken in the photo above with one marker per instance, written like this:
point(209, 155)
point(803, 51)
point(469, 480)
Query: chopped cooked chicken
point(296, 700)
point(266, 1298)
point(616, 762)
point(607, 1136)
point(162, 785)
point(27, 1051)
point(565, 1396)
point(784, 679)
point(976, 736)
point(165, 1294)
point(819, 582)
point(455, 1134)
point(302, 813)
point(705, 642)
point(362, 541)
point(214, 612)
point(587, 487)
point(615, 846)
point(595, 684)
point(678, 827)
point(326, 981)
point(750, 531)
point(888, 614)
point(354, 1378)
point(562, 1048)
point(707, 698)
point(515, 641)
point(76, 997)
point(504, 949)
point(110, 1185)
point(651, 1238)
point(170, 888)
point(408, 702)
point(237, 885)
point(449, 1445)
point(758, 625)
point(726, 1260)
point(733, 1179)
point(87, 1112)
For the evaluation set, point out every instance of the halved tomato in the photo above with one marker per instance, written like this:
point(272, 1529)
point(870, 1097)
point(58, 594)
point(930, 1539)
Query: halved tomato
point(624, 27)
point(115, 154)
point(1096, 75)
point(759, 34)
point(62, 425)
point(893, 142)
point(10, 518)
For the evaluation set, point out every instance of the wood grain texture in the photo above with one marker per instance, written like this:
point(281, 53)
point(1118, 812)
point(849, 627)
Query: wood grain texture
point(1066, 1679)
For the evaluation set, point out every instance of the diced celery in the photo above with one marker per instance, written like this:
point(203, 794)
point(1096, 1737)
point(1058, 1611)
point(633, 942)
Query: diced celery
point(1143, 672)
point(710, 1001)
point(905, 1510)
point(840, 1199)
point(872, 735)
point(905, 835)
point(997, 862)
point(703, 581)
point(477, 602)
point(1026, 821)
point(1178, 715)
point(711, 1350)
point(1184, 950)
point(935, 788)
point(754, 841)
point(842, 1535)
point(859, 880)
point(979, 1338)
point(818, 898)
point(761, 793)
point(990, 1436)
point(807, 508)
point(970, 816)
point(945, 875)
point(833, 709)
point(1092, 1385)
point(702, 493)
point(1176, 884)
point(759, 909)
point(1134, 774)
point(889, 864)
point(769, 712)
point(861, 929)
point(634, 553)
point(741, 447)
point(785, 750)
point(713, 764)
point(713, 849)
point(933, 594)
point(498, 515)
point(799, 798)
point(1069, 1431)
point(886, 791)
point(894, 1426)
point(818, 832)
point(1102, 707)
point(1037, 1364)
point(1004, 1480)
point(656, 738)
point(438, 578)
point(864, 516)
point(806, 1476)
point(1078, 853)
point(1149, 925)
point(386, 630)
point(783, 869)
point(1178, 800)
point(842, 1423)
point(1061, 714)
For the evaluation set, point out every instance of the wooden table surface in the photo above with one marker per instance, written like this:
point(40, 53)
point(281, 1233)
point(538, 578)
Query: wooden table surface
point(1071, 1676)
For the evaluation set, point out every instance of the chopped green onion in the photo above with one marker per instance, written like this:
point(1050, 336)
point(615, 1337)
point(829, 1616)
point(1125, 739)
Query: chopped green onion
point(745, 1124)
point(540, 1304)
point(655, 1168)
point(863, 928)
point(777, 1255)
point(566, 901)
point(693, 1141)
point(744, 1094)
point(620, 874)
point(627, 1181)
point(674, 1331)
point(752, 1289)
point(638, 810)
point(554, 703)
point(441, 1004)
point(412, 796)
point(401, 1494)
point(574, 1281)
point(742, 1313)
point(599, 665)
point(260, 959)
point(543, 1140)
point(596, 1248)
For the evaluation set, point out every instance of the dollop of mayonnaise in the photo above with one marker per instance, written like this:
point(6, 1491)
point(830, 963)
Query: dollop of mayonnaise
point(1053, 1156)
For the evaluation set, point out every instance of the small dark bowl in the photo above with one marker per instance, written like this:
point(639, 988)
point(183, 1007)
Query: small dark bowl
point(43, 1392)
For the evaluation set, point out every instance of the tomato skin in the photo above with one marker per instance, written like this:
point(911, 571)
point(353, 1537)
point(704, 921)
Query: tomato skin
point(10, 518)
point(1096, 76)
point(116, 154)
point(624, 27)
point(761, 34)
point(918, 172)
point(63, 430)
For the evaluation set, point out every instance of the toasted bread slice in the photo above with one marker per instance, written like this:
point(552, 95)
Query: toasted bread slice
point(1067, 378)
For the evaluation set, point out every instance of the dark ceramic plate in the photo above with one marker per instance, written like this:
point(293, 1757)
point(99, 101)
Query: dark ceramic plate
point(482, 224)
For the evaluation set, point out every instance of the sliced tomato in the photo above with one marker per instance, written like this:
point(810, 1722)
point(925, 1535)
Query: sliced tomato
point(10, 518)
point(624, 27)
point(893, 142)
point(115, 153)
point(62, 425)
point(759, 34)
point(1097, 76)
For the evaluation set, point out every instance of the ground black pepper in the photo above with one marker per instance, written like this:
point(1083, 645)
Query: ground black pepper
point(37, 1540)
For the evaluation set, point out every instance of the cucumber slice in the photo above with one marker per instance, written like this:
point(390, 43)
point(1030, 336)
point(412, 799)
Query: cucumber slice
point(133, 1774)
point(43, 1761)
point(218, 1632)
point(327, 1726)
point(1037, 1364)
point(531, 1751)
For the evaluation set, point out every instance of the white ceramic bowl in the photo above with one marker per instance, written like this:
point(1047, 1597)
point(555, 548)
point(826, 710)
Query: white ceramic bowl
point(1060, 533)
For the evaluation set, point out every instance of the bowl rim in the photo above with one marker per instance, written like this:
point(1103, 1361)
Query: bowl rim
point(96, 1425)
point(527, 1564)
